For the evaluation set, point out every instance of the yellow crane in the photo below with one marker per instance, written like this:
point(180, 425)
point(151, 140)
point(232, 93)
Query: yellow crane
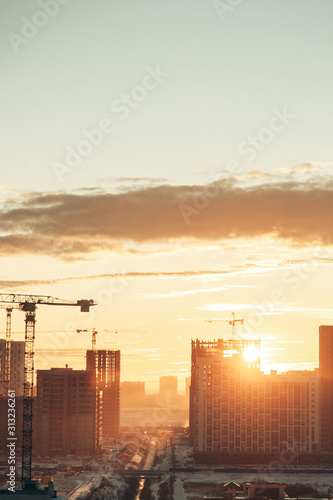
point(232, 322)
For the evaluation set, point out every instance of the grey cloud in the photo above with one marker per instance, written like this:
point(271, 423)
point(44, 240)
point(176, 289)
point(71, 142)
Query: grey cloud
point(76, 224)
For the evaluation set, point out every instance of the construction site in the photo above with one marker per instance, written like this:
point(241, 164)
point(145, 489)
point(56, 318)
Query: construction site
point(61, 435)
point(60, 427)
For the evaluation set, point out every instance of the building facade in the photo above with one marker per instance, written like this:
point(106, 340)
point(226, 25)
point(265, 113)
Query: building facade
point(66, 421)
point(16, 366)
point(235, 409)
point(106, 365)
point(326, 387)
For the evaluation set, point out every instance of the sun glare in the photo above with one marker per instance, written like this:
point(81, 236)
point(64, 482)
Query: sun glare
point(251, 354)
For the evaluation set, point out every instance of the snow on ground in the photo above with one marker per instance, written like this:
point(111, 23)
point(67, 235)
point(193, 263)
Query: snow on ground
point(118, 484)
point(179, 493)
point(184, 456)
point(320, 482)
point(111, 487)
point(80, 487)
point(64, 485)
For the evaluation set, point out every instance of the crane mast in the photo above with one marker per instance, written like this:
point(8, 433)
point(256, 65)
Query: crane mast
point(6, 380)
point(93, 336)
point(232, 323)
point(30, 322)
point(8, 346)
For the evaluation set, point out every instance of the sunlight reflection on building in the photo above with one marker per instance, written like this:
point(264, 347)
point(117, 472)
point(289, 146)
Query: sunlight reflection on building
point(238, 411)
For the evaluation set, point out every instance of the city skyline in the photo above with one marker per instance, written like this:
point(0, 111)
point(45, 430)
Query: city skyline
point(174, 176)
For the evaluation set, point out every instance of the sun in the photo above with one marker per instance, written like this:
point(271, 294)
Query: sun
point(251, 354)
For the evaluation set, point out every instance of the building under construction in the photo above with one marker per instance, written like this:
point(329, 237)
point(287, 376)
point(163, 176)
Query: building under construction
point(106, 365)
point(240, 415)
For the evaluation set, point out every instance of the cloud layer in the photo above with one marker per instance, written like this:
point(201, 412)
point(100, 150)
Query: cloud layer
point(65, 224)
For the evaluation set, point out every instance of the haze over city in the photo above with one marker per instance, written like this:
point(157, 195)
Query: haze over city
point(172, 161)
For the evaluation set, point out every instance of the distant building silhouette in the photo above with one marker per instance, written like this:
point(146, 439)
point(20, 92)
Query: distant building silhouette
point(238, 413)
point(326, 387)
point(168, 388)
point(187, 387)
point(132, 394)
point(66, 413)
point(16, 366)
point(107, 364)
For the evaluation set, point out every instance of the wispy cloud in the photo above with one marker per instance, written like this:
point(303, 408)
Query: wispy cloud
point(179, 362)
point(275, 309)
point(248, 268)
point(182, 293)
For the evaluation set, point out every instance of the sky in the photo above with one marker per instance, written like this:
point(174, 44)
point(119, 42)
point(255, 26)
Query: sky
point(173, 162)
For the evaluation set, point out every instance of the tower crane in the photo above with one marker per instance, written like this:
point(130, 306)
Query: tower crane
point(9, 310)
point(28, 304)
point(232, 322)
point(94, 333)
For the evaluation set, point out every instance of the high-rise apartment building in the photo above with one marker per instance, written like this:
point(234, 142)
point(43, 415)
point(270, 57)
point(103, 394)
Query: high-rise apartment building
point(132, 394)
point(16, 366)
point(326, 387)
point(66, 413)
point(106, 364)
point(237, 410)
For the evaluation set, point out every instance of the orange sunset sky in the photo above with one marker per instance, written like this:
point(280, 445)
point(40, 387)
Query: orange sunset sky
point(173, 162)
